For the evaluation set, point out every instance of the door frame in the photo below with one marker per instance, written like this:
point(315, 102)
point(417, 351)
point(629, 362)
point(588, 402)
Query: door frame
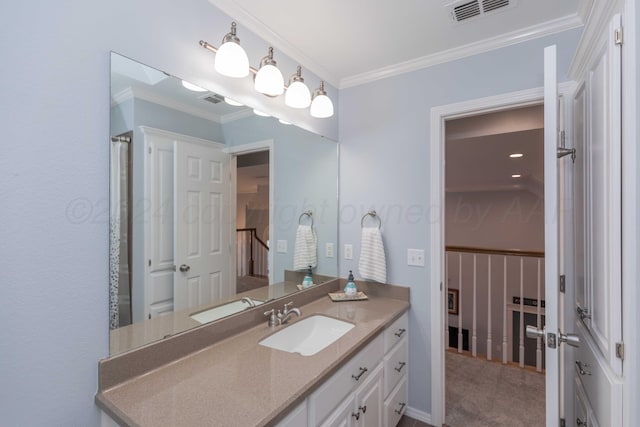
point(235, 151)
point(439, 115)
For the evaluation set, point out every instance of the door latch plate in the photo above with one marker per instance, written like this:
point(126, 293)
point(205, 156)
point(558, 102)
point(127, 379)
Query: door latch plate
point(551, 340)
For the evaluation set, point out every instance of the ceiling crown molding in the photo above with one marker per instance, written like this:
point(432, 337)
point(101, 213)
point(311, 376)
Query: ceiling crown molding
point(243, 17)
point(519, 36)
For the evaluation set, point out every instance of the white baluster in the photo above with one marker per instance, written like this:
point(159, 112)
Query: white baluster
point(489, 340)
point(521, 353)
point(474, 339)
point(460, 303)
point(539, 326)
point(504, 314)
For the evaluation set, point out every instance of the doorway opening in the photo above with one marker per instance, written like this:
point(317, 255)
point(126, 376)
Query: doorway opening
point(252, 220)
point(494, 266)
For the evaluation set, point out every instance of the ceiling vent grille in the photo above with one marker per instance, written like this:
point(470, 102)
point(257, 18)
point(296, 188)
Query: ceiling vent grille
point(213, 98)
point(472, 9)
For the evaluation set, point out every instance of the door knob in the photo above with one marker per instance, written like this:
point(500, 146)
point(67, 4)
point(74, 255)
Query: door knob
point(533, 332)
point(572, 339)
point(184, 268)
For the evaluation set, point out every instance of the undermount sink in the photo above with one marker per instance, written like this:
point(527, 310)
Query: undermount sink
point(225, 310)
point(308, 336)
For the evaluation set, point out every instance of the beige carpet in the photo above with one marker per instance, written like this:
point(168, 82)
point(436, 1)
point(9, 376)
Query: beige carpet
point(482, 393)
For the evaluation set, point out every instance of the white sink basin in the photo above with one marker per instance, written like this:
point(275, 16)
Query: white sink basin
point(308, 336)
point(223, 310)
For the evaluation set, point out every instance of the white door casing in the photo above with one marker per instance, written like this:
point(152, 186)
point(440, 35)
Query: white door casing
point(201, 233)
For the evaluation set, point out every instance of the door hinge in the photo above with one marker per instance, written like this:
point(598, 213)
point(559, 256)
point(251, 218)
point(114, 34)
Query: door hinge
point(440, 286)
point(149, 263)
point(620, 350)
point(617, 36)
point(149, 149)
point(563, 422)
point(563, 283)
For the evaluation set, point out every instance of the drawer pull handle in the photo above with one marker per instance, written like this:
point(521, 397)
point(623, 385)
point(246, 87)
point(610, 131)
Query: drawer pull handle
point(399, 411)
point(402, 365)
point(581, 368)
point(579, 422)
point(357, 377)
point(400, 332)
point(363, 409)
point(356, 415)
point(583, 313)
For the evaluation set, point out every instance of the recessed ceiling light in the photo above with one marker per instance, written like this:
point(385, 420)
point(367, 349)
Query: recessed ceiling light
point(516, 175)
point(515, 155)
point(192, 87)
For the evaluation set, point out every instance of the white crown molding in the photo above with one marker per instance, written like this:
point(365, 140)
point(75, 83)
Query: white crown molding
point(231, 117)
point(139, 93)
point(595, 26)
point(246, 19)
point(173, 136)
point(481, 46)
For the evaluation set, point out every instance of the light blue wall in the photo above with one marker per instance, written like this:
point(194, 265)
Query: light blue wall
point(384, 164)
point(305, 178)
point(54, 180)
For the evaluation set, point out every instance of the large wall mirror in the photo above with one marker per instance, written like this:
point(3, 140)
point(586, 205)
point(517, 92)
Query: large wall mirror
point(215, 209)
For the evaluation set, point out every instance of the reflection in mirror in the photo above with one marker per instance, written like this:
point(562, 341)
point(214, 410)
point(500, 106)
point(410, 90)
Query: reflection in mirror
point(207, 203)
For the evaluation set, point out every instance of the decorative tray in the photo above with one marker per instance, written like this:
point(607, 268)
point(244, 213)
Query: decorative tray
point(341, 296)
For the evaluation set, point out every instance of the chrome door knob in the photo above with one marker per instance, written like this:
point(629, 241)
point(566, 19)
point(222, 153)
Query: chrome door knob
point(533, 332)
point(572, 339)
point(184, 268)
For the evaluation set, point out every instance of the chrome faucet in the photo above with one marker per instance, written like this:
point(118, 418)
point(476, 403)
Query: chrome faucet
point(287, 312)
point(248, 301)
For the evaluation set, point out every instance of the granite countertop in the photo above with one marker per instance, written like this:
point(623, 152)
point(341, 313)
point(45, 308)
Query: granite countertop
point(237, 382)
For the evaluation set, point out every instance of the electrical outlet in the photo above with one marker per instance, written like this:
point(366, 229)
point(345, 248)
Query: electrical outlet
point(329, 250)
point(415, 257)
point(348, 251)
point(282, 246)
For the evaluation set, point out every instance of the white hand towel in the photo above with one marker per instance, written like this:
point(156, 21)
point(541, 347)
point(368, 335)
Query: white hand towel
point(304, 253)
point(373, 264)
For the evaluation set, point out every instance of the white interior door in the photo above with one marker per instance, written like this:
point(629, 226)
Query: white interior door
point(553, 376)
point(201, 230)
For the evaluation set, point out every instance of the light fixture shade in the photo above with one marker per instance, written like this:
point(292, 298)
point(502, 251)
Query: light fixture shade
point(321, 106)
point(232, 102)
point(231, 59)
point(261, 113)
point(269, 80)
point(298, 95)
point(191, 86)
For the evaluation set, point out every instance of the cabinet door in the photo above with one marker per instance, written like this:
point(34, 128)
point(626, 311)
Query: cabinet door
point(369, 400)
point(344, 415)
point(296, 418)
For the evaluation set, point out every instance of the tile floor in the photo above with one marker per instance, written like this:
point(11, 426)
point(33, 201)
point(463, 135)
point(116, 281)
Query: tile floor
point(410, 422)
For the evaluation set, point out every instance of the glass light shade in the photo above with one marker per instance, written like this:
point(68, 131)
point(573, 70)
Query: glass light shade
point(231, 60)
point(269, 80)
point(232, 102)
point(192, 87)
point(321, 107)
point(260, 113)
point(284, 122)
point(298, 95)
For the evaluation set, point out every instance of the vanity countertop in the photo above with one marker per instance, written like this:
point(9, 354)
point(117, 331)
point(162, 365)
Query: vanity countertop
point(237, 382)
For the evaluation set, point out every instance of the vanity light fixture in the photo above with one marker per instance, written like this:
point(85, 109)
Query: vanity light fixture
point(321, 105)
point(284, 122)
point(232, 102)
point(298, 95)
point(268, 79)
point(516, 155)
point(260, 113)
point(231, 59)
point(192, 87)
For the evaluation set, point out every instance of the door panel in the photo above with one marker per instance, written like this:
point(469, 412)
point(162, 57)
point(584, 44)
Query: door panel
point(201, 225)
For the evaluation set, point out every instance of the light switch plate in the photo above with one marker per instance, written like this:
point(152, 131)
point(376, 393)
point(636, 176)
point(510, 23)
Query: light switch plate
point(348, 251)
point(329, 250)
point(282, 246)
point(415, 257)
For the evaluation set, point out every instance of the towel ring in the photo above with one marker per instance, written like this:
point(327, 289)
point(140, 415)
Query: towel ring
point(306, 213)
point(371, 214)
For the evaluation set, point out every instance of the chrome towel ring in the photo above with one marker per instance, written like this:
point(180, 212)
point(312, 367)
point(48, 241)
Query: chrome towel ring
point(306, 213)
point(372, 214)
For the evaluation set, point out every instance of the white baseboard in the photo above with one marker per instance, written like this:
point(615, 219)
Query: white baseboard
point(418, 415)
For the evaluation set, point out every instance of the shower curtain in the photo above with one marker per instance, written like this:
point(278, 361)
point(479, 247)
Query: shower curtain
point(119, 271)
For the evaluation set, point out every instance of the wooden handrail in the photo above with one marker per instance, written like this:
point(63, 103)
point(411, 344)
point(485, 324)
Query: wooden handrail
point(512, 252)
point(254, 232)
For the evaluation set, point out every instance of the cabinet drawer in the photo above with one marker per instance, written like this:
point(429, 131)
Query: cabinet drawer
point(345, 380)
point(395, 366)
point(583, 413)
point(602, 388)
point(396, 404)
point(396, 332)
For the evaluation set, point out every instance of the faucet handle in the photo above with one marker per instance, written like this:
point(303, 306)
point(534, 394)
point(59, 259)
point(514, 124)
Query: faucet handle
point(286, 307)
point(274, 320)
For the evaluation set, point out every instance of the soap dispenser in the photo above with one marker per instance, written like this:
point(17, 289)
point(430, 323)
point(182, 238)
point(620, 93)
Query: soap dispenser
point(307, 282)
point(350, 289)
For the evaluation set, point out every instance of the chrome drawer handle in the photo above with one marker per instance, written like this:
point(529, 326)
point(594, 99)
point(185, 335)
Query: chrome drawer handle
point(400, 366)
point(399, 411)
point(400, 332)
point(579, 422)
point(363, 409)
point(583, 313)
point(357, 377)
point(581, 367)
point(356, 414)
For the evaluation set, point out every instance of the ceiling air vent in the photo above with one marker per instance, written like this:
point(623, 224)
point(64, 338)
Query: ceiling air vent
point(213, 98)
point(471, 9)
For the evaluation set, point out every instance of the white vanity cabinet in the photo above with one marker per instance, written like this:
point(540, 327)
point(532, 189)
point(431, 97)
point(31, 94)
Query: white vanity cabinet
point(295, 418)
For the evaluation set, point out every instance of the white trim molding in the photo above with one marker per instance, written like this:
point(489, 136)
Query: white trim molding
point(161, 133)
point(418, 415)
